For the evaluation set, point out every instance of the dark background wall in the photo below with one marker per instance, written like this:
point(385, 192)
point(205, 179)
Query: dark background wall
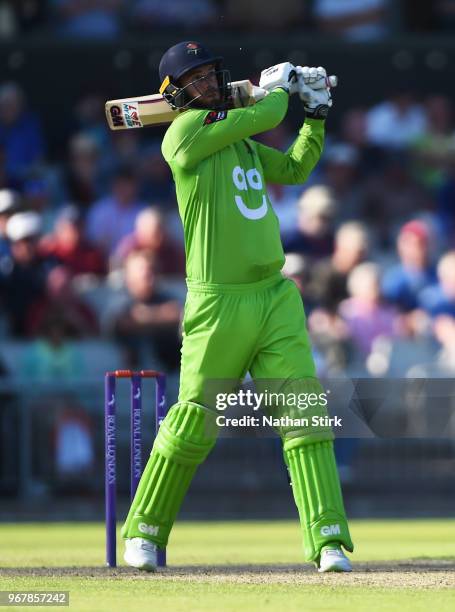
point(56, 74)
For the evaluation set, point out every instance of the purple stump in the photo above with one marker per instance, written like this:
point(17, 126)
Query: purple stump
point(160, 413)
point(136, 433)
point(110, 470)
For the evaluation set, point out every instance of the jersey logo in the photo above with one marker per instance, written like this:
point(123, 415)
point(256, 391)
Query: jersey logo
point(243, 181)
point(215, 116)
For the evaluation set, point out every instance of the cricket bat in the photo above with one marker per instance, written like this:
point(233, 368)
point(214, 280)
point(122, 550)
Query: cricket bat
point(143, 111)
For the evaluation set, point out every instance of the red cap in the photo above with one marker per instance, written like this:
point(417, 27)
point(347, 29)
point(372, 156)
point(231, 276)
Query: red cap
point(418, 228)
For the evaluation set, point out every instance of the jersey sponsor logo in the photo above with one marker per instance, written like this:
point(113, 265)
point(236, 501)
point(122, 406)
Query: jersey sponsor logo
point(329, 530)
point(131, 115)
point(243, 181)
point(215, 116)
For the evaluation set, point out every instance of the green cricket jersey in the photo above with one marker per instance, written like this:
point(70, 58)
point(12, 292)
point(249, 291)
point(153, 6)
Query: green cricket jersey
point(231, 231)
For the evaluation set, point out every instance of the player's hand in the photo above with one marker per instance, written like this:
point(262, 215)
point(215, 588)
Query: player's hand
point(316, 95)
point(314, 77)
point(280, 75)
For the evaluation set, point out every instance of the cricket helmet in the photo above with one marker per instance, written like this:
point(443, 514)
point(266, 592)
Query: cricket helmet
point(180, 59)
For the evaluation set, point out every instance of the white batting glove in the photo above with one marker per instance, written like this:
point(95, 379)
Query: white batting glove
point(317, 102)
point(314, 77)
point(280, 75)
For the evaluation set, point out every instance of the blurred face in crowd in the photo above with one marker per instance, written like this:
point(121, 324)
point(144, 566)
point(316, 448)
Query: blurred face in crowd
point(446, 274)
point(412, 250)
point(139, 276)
point(24, 250)
point(314, 223)
point(68, 233)
point(364, 284)
point(351, 246)
point(84, 156)
point(149, 229)
point(58, 283)
point(11, 104)
point(125, 190)
point(207, 87)
point(3, 221)
point(444, 331)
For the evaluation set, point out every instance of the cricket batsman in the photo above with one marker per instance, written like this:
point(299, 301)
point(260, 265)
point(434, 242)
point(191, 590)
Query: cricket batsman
point(241, 315)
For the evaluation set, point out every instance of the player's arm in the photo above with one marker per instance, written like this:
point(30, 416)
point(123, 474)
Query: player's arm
point(294, 166)
point(197, 135)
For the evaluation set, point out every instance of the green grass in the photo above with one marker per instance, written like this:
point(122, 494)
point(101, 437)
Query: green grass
point(240, 566)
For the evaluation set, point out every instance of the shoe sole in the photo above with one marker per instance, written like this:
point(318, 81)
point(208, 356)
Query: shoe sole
point(335, 569)
point(145, 567)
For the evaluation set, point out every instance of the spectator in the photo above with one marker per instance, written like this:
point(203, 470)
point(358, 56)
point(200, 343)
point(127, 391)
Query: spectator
point(444, 332)
point(51, 357)
point(4, 180)
point(150, 235)
point(446, 201)
point(439, 299)
point(82, 176)
point(9, 204)
point(38, 195)
point(20, 133)
point(391, 196)
point(397, 122)
point(68, 245)
point(364, 313)
point(297, 269)
point(145, 320)
point(358, 20)
point(430, 152)
point(155, 176)
point(354, 133)
point(62, 306)
point(23, 275)
point(253, 15)
point(90, 120)
point(404, 281)
point(148, 14)
point(82, 19)
point(328, 284)
point(341, 176)
point(314, 234)
point(113, 217)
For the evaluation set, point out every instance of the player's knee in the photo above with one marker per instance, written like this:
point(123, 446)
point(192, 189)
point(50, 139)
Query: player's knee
point(302, 412)
point(187, 434)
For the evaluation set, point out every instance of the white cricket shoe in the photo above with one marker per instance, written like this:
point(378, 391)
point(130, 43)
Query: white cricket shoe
point(141, 553)
point(334, 560)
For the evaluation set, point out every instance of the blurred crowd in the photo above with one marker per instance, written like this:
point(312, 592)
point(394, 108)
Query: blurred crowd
point(104, 19)
point(91, 246)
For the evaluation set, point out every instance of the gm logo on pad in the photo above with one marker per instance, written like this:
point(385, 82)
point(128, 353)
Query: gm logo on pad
point(328, 530)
